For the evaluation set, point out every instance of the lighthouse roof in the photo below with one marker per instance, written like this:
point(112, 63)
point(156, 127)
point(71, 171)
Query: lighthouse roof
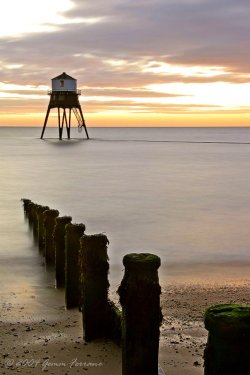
point(64, 76)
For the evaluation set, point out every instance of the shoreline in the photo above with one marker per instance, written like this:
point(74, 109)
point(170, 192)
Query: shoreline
point(194, 273)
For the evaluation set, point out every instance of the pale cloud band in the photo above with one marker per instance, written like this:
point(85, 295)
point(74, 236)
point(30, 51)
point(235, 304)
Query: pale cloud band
point(160, 56)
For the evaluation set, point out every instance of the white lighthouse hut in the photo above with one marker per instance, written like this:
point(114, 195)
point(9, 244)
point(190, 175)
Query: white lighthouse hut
point(64, 82)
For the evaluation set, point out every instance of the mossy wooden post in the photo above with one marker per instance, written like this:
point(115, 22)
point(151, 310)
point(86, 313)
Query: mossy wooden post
point(49, 226)
point(228, 346)
point(59, 241)
point(140, 300)
point(73, 234)
point(94, 285)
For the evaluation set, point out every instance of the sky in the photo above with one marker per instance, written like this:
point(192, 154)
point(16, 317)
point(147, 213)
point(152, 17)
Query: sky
point(138, 63)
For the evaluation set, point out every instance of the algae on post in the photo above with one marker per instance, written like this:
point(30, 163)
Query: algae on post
point(228, 345)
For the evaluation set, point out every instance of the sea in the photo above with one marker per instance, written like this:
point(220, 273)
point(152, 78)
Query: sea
point(180, 193)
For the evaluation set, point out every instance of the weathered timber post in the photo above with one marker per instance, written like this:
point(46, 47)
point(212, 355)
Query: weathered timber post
point(49, 226)
point(35, 222)
point(140, 299)
point(73, 234)
point(101, 318)
point(94, 285)
point(41, 229)
point(30, 214)
point(228, 346)
point(25, 205)
point(59, 241)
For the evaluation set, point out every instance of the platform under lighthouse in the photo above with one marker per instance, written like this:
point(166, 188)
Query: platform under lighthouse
point(64, 96)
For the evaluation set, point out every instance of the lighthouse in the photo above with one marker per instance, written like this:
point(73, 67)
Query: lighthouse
point(65, 97)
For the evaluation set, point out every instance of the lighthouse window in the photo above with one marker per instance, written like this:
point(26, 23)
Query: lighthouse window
point(62, 83)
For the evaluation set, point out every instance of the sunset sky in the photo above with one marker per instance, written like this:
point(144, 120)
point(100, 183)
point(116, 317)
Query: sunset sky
point(138, 63)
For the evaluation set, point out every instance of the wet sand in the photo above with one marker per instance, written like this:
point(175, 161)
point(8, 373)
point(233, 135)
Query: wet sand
point(38, 335)
point(183, 336)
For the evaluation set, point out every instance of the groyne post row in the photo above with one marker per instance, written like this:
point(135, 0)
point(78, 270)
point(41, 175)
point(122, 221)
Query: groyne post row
point(81, 263)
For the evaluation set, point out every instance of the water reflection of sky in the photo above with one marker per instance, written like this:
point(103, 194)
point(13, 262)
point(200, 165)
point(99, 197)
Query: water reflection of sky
point(186, 202)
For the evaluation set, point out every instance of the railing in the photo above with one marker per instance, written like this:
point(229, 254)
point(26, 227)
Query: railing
point(67, 92)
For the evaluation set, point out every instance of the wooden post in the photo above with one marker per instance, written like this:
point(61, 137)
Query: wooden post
point(49, 226)
point(41, 229)
point(72, 244)
point(140, 300)
point(35, 222)
point(94, 285)
point(31, 214)
point(25, 205)
point(228, 346)
point(59, 241)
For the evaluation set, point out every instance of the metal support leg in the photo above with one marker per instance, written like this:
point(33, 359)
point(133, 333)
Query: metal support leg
point(83, 121)
point(66, 122)
point(69, 123)
point(45, 121)
point(59, 123)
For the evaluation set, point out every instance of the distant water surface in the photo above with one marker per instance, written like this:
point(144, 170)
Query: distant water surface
point(181, 193)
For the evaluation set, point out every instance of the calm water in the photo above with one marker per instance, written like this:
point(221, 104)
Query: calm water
point(183, 194)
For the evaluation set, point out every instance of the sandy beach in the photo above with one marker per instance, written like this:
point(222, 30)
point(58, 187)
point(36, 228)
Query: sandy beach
point(38, 335)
